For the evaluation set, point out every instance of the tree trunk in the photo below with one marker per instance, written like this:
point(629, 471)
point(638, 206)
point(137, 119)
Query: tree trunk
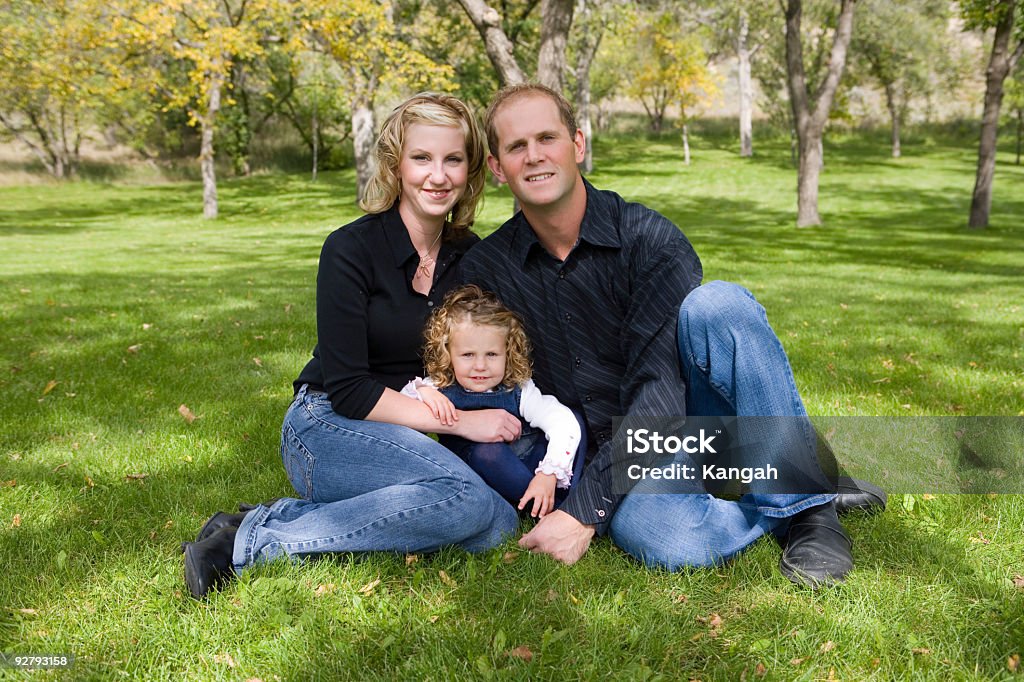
point(811, 115)
point(808, 173)
point(746, 88)
point(315, 125)
point(1020, 128)
point(999, 65)
point(686, 145)
point(555, 18)
point(584, 60)
point(892, 104)
point(206, 123)
point(362, 139)
point(499, 48)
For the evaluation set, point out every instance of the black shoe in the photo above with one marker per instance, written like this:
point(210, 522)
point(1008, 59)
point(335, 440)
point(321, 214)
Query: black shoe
point(855, 494)
point(208, 563)
point(214, 524)
point(817, 549)
point(246, 507)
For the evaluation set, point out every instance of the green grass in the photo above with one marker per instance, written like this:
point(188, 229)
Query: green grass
point(134, 305)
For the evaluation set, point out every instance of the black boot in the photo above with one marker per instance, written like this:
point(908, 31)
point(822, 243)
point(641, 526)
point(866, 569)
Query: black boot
point(817, 549)
point(855, 494)
point(214, 524)
point(208, 563)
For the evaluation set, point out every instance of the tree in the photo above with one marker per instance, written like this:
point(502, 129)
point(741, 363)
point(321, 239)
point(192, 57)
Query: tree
point(902, 45)
point(374, 54)
point(810, 112)
point(668, 68)
point(1015, 103)
point(56, 61)
point(1007, 18)
point(208, 37)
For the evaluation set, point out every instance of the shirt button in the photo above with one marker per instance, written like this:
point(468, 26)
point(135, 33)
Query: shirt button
point(600, 512)
point(568, 317)
point(578, 362)
point(588, 398)
point(561, 274)
point(430, 304)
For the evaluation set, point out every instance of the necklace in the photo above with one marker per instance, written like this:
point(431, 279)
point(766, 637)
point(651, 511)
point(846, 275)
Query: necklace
point(426, 262)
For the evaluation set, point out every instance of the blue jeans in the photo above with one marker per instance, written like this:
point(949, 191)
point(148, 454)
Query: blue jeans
point(733, 364)
point(369, 486)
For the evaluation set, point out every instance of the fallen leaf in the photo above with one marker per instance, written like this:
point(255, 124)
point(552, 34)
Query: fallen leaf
point(16, 521)
point(433, 619)
point(50, 386)
point(254, 679)
point(1013, 663)
point(446, 579)
point(760, 670)
point(321, 590)
point(15, 456)
point(1018, 581)
point(552, 595)
point(89, 482)
point(135, 477)
point(844, 306)
point(921, 651)
point(288, 308)
point(573, 599)
point(169, 524)
point(27, 612)
point(521, 652)
point(797, 661)
point(927, 496)
point(682, 599)
point(146, 325)
point(410, 559)
point(888, 364)
point(10, 484)
point(715, 621)
point(509, 557)
point(186, 413)
point(224, 658)
point(259, 363)
point(368, 588)
point(134, 348)
point(59, 467)
point(981, 539)
point(826, 647)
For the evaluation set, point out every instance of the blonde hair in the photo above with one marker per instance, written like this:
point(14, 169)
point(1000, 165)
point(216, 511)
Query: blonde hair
point(428, 108)
point(472, 304)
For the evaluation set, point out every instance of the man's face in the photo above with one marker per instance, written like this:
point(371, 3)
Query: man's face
point(537, 155)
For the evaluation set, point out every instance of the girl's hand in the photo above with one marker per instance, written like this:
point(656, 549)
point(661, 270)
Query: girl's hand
point(488, 426)
point(439, 405)
point(542, 491)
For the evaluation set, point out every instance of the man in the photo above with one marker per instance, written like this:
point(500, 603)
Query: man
point(599, 282)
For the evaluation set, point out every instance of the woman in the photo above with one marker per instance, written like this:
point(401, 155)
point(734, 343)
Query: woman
point(353, 447)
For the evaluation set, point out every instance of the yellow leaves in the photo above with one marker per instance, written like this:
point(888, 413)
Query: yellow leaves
point(521, 652)
point(186, 413)
point(446, 579)
point(50, 385)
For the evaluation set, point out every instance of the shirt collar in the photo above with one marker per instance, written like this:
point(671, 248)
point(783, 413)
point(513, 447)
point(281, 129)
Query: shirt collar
point(401, 245)
point(598, 226)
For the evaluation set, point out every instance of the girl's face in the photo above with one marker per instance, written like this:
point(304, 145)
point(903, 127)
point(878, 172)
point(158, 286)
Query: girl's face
point(478, 355)
point(434, 171)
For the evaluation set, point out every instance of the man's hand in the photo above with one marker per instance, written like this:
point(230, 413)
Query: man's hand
point(487, 426)
point(560, 536)
point(439, 405)
point(542, 491)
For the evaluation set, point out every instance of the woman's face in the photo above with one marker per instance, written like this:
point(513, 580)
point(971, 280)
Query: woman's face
point(434, 170)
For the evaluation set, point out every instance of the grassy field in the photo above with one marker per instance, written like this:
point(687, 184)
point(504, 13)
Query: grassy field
point(119, 304)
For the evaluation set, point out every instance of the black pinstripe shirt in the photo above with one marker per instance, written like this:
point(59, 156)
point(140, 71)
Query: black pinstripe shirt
point(602, 322)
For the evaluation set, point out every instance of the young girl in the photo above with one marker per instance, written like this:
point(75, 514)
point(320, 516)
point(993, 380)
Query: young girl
point(477, 357)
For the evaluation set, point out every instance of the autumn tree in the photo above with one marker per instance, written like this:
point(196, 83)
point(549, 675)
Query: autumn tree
point(1007, 18)
point(811, 106)
point(57, 74)
point(374, 53)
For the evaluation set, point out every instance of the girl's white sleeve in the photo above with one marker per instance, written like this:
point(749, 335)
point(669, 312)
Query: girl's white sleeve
point(409, 389)
point(559, 425)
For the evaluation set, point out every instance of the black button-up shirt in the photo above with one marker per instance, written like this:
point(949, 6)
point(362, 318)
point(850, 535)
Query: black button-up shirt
point(602, 322)
point(369, 319)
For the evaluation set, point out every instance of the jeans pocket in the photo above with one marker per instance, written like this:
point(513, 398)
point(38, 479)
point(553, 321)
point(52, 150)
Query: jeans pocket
point(298, 463)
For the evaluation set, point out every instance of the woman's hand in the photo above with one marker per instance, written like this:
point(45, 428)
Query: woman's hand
point(487, 426)
point(439, 405)
point(542, 491)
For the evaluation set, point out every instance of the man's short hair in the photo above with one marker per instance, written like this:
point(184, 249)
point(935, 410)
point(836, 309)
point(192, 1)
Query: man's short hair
point(511, 92)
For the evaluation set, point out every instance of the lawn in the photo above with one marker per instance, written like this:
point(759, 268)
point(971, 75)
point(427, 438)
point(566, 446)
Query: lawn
point(146, 360)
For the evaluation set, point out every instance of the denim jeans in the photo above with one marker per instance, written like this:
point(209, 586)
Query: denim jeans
point(733, 364)
point(369, 486)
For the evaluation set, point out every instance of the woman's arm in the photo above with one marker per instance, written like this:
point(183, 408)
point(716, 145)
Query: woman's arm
point(480, 426)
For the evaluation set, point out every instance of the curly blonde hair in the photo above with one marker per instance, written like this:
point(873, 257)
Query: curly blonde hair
point(470, 303)
point(428, 108)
